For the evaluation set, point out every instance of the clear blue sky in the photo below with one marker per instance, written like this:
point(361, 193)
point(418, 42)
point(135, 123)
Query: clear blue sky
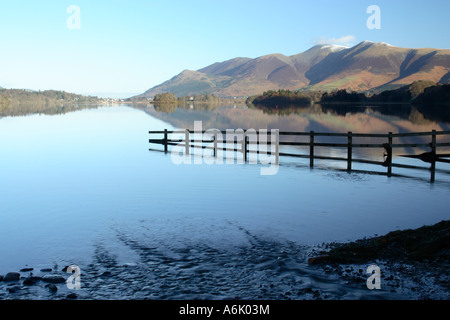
point(125, 47)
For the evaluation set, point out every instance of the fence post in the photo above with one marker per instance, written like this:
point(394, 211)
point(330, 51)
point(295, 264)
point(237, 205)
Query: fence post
point(433, 153)
point(187, 142)
point(215, 144)
point(389, 156)
point(311, 149)
point(349, 151)
point(277, 147)
point(244, 147)
point(166, 140)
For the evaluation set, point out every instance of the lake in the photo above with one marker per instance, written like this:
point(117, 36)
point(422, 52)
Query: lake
point(83, 188)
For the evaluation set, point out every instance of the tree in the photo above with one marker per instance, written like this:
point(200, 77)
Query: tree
point(165, 98)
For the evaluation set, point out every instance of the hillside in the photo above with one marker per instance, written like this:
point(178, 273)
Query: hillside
point(366, 66)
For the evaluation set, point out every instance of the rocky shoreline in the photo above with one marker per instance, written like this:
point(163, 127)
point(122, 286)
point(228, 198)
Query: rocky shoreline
point(414, 265)
point(413, 262)
point(29, 283)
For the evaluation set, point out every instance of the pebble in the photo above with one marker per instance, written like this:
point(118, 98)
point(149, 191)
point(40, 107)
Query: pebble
point(26, 269)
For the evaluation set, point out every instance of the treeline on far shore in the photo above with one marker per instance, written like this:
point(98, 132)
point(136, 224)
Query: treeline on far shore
point(418, 92)
point(17, 102)
point(169, 98)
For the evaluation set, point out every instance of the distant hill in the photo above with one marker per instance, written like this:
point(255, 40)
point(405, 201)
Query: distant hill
point(366, 66)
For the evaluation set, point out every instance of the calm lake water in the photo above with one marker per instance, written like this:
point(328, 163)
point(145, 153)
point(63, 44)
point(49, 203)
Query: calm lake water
point(75, 184)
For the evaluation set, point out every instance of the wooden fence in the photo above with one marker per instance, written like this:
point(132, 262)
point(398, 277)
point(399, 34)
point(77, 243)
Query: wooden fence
point(313, 141)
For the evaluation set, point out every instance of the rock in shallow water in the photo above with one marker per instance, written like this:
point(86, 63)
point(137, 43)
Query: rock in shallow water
point(29, 282)
point(51, 287)
point(319, 259)
point(71, 296)
point(129, 265)
point(65, 268)
point(14, 289)
point(53, 278)
point(106, 274)
point(11, 276)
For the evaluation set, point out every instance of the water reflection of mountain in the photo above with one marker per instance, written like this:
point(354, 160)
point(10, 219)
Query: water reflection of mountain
point(435, 112)
point(325, 118)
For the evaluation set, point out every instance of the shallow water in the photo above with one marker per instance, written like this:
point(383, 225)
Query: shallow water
point(82, 188)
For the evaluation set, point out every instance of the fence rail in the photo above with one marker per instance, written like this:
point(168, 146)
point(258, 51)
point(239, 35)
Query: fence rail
point(215, 143)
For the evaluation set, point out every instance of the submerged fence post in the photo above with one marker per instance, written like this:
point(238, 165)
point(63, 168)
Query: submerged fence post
point(349, 151)
point(311, 149)
point(277, 148)
point(187, 142)
point(244, 147)
point(389, 155)
point(166, 140)
point(433, 153)
point(215, 144)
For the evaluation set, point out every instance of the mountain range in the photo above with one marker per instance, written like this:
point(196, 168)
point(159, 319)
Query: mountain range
point(364, 67)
